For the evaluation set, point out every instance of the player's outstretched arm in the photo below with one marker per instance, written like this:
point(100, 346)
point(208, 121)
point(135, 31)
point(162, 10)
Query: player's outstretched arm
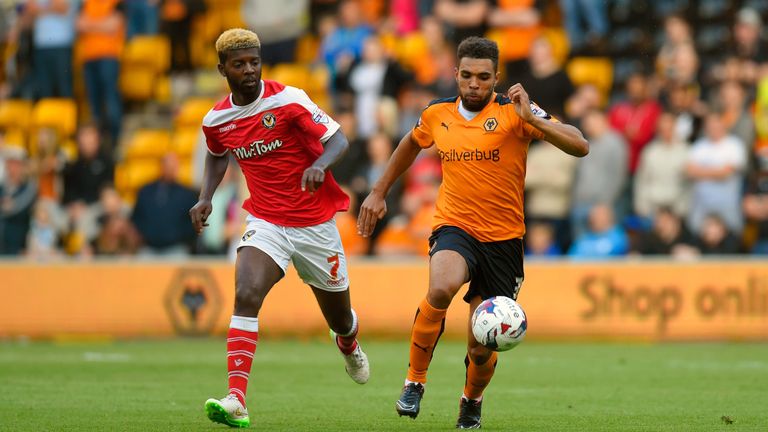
point(563, 136)
point(215, 167)
point(374, 206)
point(314, 176)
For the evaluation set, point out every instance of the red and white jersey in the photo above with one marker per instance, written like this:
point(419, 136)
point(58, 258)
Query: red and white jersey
point(274, 139)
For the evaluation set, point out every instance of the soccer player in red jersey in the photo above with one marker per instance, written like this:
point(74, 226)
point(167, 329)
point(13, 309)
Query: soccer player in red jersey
point(284, 144)
point(482, 139)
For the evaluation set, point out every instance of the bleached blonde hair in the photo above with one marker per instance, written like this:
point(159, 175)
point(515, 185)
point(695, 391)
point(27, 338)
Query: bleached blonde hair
point(235, 39)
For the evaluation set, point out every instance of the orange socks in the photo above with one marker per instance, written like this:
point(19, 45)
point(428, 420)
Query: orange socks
point(428, 325)
point(478, 376)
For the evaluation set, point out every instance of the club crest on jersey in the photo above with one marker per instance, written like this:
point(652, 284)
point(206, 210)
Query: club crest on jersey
point(319, 116)
point(268, 120)
point(490, 124)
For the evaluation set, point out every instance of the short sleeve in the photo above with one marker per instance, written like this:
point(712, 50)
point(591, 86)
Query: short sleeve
point(214, 146)
point(313, 120)
point(422, 133)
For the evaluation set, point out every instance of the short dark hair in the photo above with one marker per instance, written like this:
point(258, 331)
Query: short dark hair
point(479, 48)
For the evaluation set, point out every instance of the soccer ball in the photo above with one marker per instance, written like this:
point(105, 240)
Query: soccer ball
point(499, 323)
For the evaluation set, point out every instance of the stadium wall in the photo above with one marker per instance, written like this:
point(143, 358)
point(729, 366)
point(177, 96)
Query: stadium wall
point(656, 301)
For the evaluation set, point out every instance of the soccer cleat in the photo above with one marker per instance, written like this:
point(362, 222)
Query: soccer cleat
point(228, 411)
point(410, 400)
point(357, 365)
point(469, 414)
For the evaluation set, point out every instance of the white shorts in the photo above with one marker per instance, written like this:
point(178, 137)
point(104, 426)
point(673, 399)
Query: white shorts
point(316, 251)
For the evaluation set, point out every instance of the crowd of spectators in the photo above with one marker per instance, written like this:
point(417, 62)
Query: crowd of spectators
point(678, 162)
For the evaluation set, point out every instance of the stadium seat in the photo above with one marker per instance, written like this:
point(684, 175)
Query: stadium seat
point(192, 111)
point(593, 70)
point(558, 39)
point(58, 113)
point(69, 147)
point(138, 82)
point(710, 39)
point(186, 172)
point(163, 89)
point(15, 137)
point(15, 114)
point(148, 144)
point(396, 239)
point(709, 10)
point(184, 141)
point(669, 7)
point(354, 244)
point(292, 74)
point(148, 50)
point(307, 48)
point(420, 227)
point(320, 78)
point(140, 172)
point(230, 14)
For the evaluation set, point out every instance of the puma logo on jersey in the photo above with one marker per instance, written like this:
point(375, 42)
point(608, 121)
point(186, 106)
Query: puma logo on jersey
point(444, 125)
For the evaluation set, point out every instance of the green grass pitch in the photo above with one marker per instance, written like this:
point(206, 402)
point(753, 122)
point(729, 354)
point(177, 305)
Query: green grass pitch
point(302, 386)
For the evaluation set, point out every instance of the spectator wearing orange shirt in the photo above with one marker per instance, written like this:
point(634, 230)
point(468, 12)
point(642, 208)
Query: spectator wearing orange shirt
point(101, 36)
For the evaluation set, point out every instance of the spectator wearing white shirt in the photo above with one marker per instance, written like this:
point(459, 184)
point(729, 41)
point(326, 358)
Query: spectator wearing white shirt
point(716, 165)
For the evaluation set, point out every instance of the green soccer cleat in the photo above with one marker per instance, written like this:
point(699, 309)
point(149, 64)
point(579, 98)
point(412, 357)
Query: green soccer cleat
point(228, 411)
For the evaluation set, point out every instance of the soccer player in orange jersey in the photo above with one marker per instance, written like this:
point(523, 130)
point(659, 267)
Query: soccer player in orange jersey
point(482, 138)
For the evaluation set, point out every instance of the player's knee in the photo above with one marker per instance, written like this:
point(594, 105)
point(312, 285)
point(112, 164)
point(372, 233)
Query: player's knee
point(341, 324)
point(479, 354)
point(440, 296)
point(248, 297)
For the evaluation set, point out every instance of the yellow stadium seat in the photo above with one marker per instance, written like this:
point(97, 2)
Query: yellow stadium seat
point(192, 111)
point(15, 114)
point(291, 74)
point(58, 113)
point(319, 78)
point(140, 172)
point(138, 82)
point(148, 144)
point(230, 15)
point(153, 51)
point(163, 89)
point(186, 175)
point(184, 141)
point(15, 137)
point(558, 39)
point(307, 49)
point(69, 147)
point(591, 70)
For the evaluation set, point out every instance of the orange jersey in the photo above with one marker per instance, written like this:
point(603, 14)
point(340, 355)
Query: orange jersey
point(483, 162)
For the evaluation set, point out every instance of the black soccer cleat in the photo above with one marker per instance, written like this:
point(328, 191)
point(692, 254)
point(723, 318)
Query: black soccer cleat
point(469, 414)
point(410, 400)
